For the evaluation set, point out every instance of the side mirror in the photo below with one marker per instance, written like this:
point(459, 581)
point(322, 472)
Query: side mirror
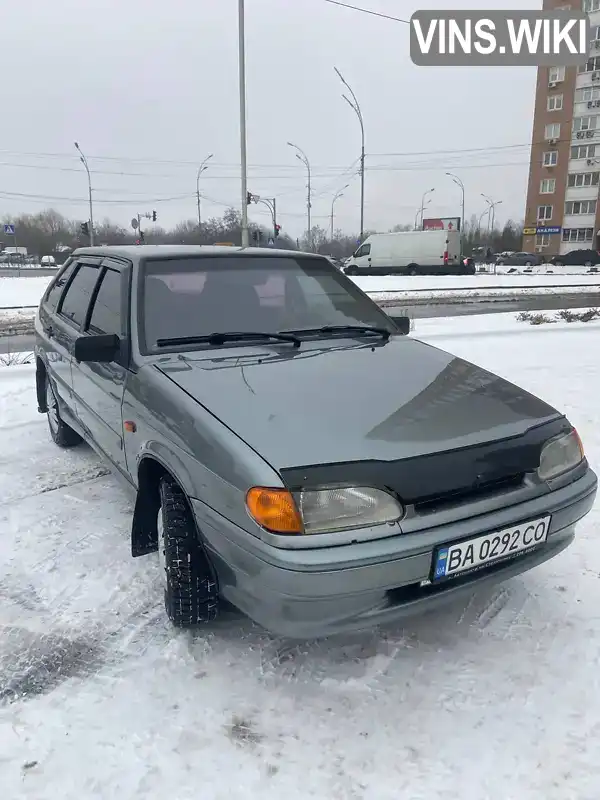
point(403, 323)
point(103, 348)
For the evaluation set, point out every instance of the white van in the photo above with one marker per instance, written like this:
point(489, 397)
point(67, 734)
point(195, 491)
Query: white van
point(410, 253)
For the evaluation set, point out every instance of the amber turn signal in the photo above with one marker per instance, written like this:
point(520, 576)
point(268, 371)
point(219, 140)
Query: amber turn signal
point(274, 509)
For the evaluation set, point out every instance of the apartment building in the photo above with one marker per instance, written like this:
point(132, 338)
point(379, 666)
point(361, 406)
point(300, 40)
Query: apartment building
point(563, 208)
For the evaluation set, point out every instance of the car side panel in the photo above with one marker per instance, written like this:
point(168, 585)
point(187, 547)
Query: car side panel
point(54, 343)
point(98, 391)
point(211, 463)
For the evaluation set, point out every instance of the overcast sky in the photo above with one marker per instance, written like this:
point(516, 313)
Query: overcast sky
point(149, 88)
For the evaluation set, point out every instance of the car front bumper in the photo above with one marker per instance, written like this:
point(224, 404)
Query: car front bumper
point(322, 591)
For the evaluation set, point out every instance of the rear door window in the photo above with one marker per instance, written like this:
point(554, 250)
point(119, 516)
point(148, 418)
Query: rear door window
point(75, 301)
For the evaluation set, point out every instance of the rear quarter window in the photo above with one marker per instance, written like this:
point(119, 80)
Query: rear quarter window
point(57, 285)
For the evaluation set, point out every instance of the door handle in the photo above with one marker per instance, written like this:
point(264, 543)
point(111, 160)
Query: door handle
point(50, 331)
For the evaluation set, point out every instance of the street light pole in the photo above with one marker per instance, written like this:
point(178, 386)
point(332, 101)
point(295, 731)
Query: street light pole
point(338, 194)
point(483, 214)
point(459, 183)
point(243, 150)
point(356, 108)
point(423, 204)
point(201, 169)
point(301, 155)
point(271, 204)
point(420, 211)
point(83, 160)
point(491, 211)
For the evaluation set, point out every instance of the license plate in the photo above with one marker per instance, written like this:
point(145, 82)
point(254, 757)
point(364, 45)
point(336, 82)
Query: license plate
point(473, 554)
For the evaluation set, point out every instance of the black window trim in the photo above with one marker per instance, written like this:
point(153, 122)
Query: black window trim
point(124, 269)
point(81, 262)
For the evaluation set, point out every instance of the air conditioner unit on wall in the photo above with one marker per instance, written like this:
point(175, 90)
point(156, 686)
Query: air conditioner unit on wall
point(552, 84)
point(552, 141)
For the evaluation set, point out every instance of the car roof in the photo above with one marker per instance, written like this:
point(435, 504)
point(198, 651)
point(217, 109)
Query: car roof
point(137, 252)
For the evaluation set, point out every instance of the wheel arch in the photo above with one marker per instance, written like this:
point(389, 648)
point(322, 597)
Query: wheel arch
point(144, 535)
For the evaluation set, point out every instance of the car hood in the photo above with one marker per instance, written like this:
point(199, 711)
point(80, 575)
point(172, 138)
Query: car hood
point(326, 404)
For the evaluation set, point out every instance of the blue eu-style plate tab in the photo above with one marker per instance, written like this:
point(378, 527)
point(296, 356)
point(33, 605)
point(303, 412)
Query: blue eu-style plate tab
point(442, 563)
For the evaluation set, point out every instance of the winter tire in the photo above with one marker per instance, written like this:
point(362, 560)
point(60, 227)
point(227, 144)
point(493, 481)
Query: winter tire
point(190, 586)
point(61, 433)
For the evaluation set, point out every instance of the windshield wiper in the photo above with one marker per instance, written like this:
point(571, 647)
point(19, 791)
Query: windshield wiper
point(356, 330)
point(229, 336)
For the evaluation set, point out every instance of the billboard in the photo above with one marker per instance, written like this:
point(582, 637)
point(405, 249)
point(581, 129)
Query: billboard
point(442, 224)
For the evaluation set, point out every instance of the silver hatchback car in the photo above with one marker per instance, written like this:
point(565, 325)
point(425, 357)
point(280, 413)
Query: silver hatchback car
point(290, 449)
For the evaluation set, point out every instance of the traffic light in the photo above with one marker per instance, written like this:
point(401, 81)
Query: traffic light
point(85, 228)
point(248, 198)
point(277, 229)
point(154, 216)
point(255, 235)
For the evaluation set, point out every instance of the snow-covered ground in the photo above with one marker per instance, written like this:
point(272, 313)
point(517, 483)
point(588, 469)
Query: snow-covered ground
point(22, 291)
point(28, 291)
point(495, 698)
point(395, 283)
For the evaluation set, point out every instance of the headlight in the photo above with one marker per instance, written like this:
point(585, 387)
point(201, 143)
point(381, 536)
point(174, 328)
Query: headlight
point(560, 455)
point(321, 510)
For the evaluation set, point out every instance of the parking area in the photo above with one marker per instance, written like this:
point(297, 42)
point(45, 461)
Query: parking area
point(101, 697)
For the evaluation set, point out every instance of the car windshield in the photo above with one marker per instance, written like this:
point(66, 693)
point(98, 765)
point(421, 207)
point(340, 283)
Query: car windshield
point(193, 297)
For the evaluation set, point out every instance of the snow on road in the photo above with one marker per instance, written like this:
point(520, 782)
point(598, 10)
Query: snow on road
point(495, 698)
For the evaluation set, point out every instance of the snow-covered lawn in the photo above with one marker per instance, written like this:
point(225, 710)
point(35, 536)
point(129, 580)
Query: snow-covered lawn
point(395, 283)
point(28, 291)
point(495, 698)
point(22, 291)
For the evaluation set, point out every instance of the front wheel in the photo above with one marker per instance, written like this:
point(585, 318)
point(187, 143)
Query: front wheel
point(588, 264)
point(190, 586)
point(559, 264)
point(61, 433)
point(413, 271)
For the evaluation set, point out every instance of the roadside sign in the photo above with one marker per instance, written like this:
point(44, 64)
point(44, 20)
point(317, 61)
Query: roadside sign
point(9, 229)
point(441, 224)
point(548, 229)
point(134, 223)
point(529, 231)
